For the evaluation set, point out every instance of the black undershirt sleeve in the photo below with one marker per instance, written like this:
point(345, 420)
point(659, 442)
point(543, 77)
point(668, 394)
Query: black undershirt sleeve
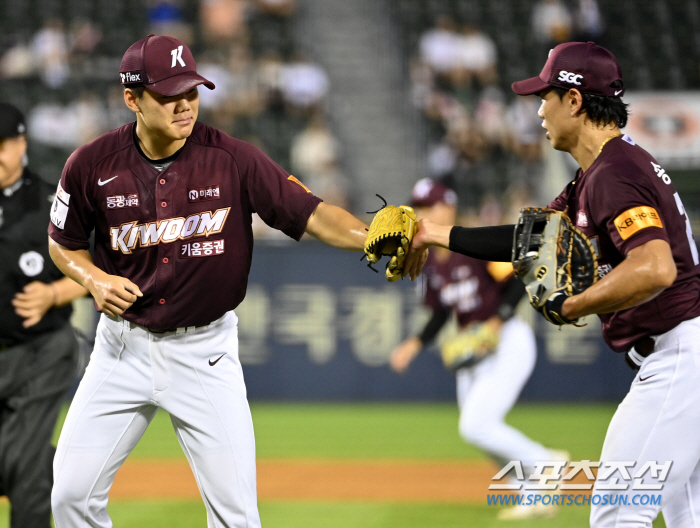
point(437, 321)
point(494, 243)
point(512, 294)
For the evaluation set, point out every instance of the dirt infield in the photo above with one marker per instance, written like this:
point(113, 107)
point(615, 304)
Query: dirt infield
point(395, 481)
point(321, 480)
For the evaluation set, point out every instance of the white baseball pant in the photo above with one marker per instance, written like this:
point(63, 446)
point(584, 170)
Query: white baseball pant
point(488, 391)
point(132, 373)
point(658, 421)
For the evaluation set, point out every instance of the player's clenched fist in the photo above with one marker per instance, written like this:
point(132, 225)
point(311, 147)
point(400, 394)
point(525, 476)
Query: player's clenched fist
point(113, 295)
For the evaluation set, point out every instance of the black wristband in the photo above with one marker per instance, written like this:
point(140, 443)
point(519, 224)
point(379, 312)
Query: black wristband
point(510, 299)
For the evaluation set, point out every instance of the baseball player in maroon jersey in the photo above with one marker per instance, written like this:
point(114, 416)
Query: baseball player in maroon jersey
point(479, 292)
point(648, 295)
point(170, 202)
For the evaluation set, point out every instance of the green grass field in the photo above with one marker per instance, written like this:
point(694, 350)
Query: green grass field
point(370, 431)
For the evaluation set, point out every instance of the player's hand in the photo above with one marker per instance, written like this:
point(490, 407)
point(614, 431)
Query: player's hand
point(404, 354)
point(113, 294)
point(495, 323)
point(418, 250)
point(33, 302)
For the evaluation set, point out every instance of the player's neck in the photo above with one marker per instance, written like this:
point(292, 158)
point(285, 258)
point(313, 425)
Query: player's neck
point(590, 143)
point(157, 147)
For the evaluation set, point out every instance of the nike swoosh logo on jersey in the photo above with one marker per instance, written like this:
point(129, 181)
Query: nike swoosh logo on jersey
point(649, 376)
point(212, 363)
point(101, 183)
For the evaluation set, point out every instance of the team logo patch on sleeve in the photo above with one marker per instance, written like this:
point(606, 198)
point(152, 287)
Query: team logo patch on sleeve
point(295, 180)
point(636, 219)
point(59, 209)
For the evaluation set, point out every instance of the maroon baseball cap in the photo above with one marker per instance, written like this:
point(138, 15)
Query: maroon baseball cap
point(162, 64)
point(428, 192)
point(585, 66)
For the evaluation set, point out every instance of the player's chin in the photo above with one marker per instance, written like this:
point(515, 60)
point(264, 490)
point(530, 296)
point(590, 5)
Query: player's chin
point(182, 130)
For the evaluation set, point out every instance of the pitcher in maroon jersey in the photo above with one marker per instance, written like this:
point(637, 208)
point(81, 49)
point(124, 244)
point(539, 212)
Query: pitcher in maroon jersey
point(648, 295)
point(170, 201)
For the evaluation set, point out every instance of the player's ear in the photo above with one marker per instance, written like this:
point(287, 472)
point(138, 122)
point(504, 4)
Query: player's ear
point(575, 100)
point(131, 100)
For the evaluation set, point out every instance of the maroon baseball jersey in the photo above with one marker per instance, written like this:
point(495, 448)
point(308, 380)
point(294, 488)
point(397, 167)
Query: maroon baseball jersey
point(622, 201)
point(182, 235)
point(464, 285)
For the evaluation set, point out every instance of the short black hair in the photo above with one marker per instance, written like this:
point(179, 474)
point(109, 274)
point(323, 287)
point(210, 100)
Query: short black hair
point(600, 109)
point(138, 90)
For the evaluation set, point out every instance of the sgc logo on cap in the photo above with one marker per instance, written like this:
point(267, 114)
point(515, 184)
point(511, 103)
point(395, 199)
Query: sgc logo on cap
point(570, 77)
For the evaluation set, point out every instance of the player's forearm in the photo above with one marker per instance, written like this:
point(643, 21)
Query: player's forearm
point(433, 326)
point(66, 290)
point(336, 227)
point(494, 243)
point(75, 264)
point(429, 233)
point(645, 273)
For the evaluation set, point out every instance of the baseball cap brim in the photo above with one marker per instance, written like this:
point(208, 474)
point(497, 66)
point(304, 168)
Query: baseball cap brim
point(179, 84)
point(531, 86)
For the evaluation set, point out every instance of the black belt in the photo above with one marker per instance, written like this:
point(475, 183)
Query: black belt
point(640, 350)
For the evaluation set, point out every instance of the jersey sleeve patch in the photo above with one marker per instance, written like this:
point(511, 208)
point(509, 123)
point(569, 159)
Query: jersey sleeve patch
point(59, 211)
point(295, 180)
point(636, 219)
point(62, 194)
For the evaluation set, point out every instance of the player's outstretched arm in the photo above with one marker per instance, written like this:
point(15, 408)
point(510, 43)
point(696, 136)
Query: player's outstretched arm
point(336, 227)
point(113, 295)
point(404, 354)
point(494, 243)
point(645, 273)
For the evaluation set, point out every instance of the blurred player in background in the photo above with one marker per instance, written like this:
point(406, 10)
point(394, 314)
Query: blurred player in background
point(38, 349)
point(483, 297)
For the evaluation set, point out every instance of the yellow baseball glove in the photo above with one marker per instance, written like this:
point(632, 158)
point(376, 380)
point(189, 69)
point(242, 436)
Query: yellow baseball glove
point(390, 233)
point(470, 346)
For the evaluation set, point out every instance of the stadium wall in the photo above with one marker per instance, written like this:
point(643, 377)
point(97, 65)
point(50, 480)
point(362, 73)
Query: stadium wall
point(317, 324)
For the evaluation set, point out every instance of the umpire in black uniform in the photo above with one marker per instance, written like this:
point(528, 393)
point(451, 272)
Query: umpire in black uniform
point(38, 349)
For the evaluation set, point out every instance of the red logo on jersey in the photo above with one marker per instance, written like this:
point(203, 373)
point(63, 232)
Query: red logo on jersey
point(201, 194)
point(582, 219)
